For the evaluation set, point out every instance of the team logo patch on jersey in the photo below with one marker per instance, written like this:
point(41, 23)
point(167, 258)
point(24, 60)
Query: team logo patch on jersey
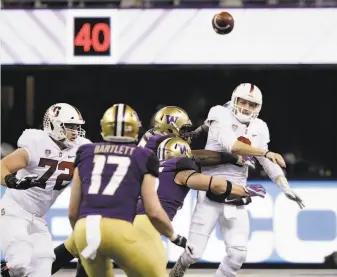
point(234, 127)
point(47, 152)
point(3, 211)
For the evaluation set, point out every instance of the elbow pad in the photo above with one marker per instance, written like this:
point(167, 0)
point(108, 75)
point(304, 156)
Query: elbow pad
point(219, 198)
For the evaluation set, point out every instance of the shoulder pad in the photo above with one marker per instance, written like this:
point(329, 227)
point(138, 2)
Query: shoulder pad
point(186, 164)
point(33, 140)
point(216, 113)
point(152, 165)
point(262, 129)
point(31, 136)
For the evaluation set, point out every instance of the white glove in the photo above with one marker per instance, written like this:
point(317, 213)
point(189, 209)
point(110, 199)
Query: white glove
point(294, 197)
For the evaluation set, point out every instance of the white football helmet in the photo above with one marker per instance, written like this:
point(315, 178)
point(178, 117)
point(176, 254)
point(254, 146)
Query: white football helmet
point(250, 93)
point(57, 117)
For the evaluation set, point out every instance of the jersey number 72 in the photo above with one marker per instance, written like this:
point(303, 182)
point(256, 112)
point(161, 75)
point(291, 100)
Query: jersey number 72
point(53, 165)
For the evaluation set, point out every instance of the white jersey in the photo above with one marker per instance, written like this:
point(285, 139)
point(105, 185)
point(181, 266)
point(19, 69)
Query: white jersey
point(53, 166)
point(224, 131)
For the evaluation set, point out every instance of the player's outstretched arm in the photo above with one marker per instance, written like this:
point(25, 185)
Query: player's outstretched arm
point(198, 181)
point(283, 184)
point(200, 130)
point(75, 198)
point(13, 162)
point(153, 208)
point(156, 213)
point(212, 158)
point(225, 136)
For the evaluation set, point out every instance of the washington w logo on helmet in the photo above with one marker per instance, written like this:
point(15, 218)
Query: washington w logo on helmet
point(170, 119)
point(182, 148)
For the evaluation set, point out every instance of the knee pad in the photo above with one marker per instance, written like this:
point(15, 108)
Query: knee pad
point(189, 257)
point(232, 263)
point(18, 267)
point(42, 267)
point(197, 243)
point(18, 256)
point(236, 257)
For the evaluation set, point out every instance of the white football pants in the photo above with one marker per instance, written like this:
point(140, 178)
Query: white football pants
point(25, 241)
point(234, 224)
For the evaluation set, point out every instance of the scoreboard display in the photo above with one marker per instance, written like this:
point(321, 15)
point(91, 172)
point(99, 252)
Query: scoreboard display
point(91, 38)
point(166, 36)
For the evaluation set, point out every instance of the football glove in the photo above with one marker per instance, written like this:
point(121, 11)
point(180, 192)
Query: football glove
point(180, 241)
point(294, 197)
point(255, 190)
point(23, 183)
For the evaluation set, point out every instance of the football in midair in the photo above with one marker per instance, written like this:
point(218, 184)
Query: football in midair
point(223, 23)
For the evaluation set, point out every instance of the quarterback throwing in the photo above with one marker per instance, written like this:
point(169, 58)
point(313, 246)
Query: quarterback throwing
point(234, 127)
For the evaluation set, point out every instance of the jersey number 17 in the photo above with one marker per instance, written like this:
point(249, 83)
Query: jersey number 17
point(117, 177)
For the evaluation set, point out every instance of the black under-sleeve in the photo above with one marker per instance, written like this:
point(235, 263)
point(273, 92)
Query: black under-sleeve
point(152, 165)
point(186, 164)
point(78, 157)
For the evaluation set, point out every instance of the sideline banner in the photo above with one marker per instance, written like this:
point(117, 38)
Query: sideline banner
point(280, 231)
point(164, 36)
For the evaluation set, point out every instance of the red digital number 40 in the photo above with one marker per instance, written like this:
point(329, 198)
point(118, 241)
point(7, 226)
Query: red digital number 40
point(87, 37)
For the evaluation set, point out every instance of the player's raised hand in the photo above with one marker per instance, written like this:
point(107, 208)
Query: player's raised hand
point(23, 183)
point(275, 158)
point(255, 190)
point(294, 197)
point(179, 240)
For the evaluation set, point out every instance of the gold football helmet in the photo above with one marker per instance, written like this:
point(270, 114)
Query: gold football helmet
point(173, 148)
point(170, 120)
point(120, 123)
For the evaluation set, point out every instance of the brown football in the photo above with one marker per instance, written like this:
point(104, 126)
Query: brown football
point(223, 23)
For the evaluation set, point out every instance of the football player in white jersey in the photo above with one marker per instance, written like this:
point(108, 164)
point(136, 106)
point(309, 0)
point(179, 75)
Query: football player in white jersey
point(43, 164)
point(234, 127)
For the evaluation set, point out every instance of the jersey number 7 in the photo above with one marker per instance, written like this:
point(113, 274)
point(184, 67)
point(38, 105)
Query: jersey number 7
point(53, 165)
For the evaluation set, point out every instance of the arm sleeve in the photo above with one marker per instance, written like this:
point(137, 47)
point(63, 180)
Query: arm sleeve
point(273, 170)
point(152, 165)
point(186, 164)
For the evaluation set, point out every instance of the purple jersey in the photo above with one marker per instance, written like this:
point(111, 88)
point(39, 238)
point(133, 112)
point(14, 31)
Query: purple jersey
point(171, 195)
point(111, 175)
point(151, 140)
